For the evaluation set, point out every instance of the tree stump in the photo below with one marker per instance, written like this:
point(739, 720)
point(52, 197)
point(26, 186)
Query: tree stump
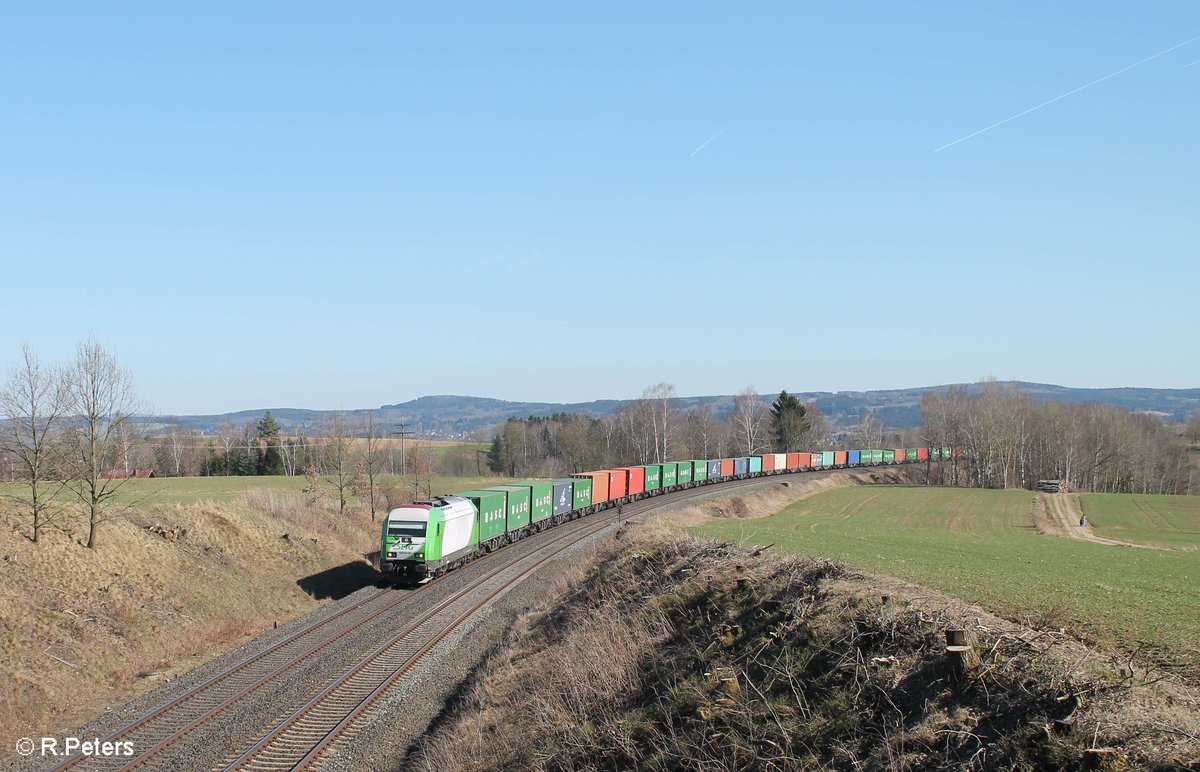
point(961, 658)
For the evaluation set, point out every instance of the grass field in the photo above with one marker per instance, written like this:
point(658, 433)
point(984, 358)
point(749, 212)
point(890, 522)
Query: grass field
point(982, 546)
point(1172, 522)
point(222, 490)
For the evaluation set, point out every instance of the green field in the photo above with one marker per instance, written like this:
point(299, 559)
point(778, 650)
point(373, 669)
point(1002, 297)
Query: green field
point(189, 490)
point(981, 546)
point(1172, 522)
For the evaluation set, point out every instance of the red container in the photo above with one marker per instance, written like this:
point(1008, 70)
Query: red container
point(922, 454)
point(839, 458)
point(635, 479)
point(727, 467)
point(793, 460)
point(768, 462)
point(617, 483)
point(814, 459)
point(599, 484)
point(901, 454)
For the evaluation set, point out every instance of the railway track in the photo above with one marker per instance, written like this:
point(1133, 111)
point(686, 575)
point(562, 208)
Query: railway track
point(345, 700)
point(328, 719)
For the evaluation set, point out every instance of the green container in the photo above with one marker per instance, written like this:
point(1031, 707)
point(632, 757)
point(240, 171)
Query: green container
point(910, 454)
point(490, 506)
point(541, 501)
point(699, 471)
point(669, 471)
point(517, 511)
point(827, 458)
point(889, 456)
point(582, 489)
point(755, 464)
point(683, 473)
point(653, 476)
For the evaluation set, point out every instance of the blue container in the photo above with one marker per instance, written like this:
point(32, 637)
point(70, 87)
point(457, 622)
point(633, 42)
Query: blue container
point(714, 469)
point(741, 465)
point(852, 457)
point(563, 496)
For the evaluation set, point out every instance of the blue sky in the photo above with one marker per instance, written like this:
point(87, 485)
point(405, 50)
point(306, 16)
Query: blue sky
point(345, 205)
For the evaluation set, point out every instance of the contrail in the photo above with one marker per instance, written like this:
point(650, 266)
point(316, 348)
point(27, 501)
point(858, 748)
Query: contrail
point(709, 141)
point(1064, 96)
point(1189, 65)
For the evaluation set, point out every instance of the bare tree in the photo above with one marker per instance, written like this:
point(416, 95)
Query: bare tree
point(664, 419)
point(290, 452)
point(33, 402)
point(228, 435)
point(1010, 441)
point(103, 399)
point(176, 440)
point(869, 431)
point(374, 458)
point(748, 421)
point(340, 469)
point(702, 432)
point(422, 460)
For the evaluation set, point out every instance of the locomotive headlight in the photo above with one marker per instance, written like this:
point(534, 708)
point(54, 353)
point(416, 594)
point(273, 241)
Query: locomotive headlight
point(421, 555)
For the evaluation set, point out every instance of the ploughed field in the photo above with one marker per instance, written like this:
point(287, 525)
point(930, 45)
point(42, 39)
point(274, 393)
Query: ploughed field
point(983, 546)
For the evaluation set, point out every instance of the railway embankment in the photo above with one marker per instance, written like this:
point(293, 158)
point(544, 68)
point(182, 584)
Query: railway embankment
point(169, 587)
point(671, 651)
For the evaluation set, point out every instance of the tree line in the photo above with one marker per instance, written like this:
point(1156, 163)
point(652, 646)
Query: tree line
point(1011, 441)
point(77, 432)
point(654, 429)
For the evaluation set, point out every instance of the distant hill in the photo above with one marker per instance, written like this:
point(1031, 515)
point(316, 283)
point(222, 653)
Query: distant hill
point(459, 417)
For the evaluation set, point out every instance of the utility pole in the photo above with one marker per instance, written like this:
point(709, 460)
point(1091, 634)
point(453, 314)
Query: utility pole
point(401, 432)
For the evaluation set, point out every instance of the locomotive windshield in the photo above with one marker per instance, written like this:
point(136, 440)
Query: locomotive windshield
point(406, 529)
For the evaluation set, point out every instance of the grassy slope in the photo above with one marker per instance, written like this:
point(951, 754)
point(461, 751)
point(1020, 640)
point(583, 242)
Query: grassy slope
point(981, 546)
point(1172, 522)
point(77, 625)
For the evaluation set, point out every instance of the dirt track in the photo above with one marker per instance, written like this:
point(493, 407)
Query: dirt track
point(1064, 519)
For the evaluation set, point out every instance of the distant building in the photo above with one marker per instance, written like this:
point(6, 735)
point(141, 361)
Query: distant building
point(124, 474)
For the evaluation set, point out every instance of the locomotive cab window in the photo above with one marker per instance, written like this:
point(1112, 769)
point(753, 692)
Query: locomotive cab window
point(406, 529)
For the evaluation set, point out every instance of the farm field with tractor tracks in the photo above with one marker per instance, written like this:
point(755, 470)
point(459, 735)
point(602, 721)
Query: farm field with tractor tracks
point(1000, 550)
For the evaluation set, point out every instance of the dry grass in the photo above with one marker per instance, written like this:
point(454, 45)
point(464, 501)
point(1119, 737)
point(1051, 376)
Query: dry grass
point(680, 653)
point(169, 587)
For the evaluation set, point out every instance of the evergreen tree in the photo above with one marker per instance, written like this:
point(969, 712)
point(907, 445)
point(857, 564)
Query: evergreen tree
point(495, 456)
point(789, 422)
point(268, 458)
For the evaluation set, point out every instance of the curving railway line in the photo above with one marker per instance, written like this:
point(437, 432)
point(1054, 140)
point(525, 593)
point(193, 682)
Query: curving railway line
point(303, 733)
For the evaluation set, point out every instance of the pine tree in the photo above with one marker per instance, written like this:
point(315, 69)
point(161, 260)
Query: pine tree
point(495, 456)
point(269, 460)
point(789, 422)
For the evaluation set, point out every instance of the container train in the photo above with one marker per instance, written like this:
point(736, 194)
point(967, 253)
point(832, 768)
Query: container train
point(427, 538)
